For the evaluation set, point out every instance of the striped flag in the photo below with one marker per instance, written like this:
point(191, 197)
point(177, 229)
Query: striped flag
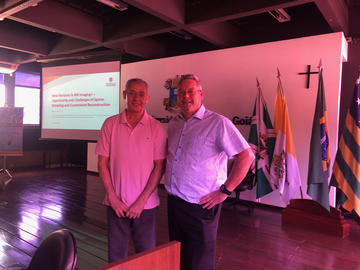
point(319, 158)
point(284, 169)
point(262, 142)
point(346, 169)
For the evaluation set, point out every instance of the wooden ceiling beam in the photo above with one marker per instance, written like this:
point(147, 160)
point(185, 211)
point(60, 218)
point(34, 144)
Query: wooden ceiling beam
point(221, 34)
point(129, 28)
point(15, 56)
point(9, 7)
point(216, 11)
point(22, 38)
point(57, 17)
point(143, 47)
point(336, 14)
point(171, 11)
point(67, 44)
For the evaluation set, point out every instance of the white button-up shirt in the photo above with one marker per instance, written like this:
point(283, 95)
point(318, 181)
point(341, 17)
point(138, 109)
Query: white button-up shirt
point(198, 150)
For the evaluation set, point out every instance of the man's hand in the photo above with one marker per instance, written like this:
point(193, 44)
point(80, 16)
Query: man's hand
point(118, 206)
point(212, 199)
point(136, 209)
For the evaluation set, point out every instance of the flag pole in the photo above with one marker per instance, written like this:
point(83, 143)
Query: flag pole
point(320, 64)
point(278, 76)
point(257, 150)
point(282, 92)
point(301, 192)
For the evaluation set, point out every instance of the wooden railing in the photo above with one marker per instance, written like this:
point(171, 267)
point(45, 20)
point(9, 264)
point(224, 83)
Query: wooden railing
point(164, 257)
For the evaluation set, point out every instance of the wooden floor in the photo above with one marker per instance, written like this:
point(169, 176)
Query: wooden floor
point(36, 203)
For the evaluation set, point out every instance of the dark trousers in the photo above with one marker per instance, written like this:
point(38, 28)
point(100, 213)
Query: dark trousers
point(142, 230)
point(196, 229)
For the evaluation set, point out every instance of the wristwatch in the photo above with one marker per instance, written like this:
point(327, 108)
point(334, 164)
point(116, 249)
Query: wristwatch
point(223, 189)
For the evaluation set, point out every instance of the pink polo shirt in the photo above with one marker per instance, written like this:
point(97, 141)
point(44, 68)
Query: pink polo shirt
point(132, 153)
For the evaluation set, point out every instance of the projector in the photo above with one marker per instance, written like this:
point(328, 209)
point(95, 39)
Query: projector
point(117, 4)
point(280, 14)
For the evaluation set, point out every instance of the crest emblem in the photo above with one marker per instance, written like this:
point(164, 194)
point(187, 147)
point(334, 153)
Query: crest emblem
point(171, 102)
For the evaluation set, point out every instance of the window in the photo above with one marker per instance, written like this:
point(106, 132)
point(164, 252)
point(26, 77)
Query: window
point(26, 94)
point(27, 79)
point(29, 98)
point(2, 95)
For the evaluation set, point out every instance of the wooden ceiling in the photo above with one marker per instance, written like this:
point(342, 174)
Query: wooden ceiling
point(46, 31)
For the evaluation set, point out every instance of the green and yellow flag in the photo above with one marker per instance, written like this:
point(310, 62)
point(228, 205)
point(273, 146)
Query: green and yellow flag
point(319, 158)
point(262, 142)
point(346, 169)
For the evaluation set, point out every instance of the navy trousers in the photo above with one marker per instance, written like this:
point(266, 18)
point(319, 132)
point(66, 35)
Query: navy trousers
point(142, 230)
point(196, 229)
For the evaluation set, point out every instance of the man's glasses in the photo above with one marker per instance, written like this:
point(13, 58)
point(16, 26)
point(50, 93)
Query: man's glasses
point(191, 92)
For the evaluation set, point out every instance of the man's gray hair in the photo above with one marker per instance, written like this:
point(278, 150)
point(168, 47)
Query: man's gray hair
point(191, 77)
point(135, 80)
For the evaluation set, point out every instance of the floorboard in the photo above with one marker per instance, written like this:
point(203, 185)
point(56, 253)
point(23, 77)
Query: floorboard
point(37, 203)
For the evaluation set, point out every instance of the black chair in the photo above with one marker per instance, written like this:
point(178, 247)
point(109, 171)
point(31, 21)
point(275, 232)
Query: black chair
point(248, 183)
point(56, 252)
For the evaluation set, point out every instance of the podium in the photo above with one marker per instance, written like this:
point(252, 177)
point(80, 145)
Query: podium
point(164, 257)
point(311, 215)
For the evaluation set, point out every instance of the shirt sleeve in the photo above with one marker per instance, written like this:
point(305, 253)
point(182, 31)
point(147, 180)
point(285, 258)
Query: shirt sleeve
point(230, 139)
point(159, 142)
point(103, 143)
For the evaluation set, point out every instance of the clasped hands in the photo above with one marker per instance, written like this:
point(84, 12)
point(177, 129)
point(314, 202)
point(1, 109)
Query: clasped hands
point(123, 210)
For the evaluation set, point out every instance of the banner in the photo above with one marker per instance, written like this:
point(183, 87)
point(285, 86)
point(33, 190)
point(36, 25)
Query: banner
point(284, 169)
point(11, 131)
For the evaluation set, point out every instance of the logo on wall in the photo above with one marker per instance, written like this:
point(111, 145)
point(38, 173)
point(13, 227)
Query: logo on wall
point(171, 102)
point(110, 82)
point(245, 121)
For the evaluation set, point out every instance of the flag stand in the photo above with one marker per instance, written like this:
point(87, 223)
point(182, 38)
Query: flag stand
point(301, 193)
point(311, 215)
point(6, 173)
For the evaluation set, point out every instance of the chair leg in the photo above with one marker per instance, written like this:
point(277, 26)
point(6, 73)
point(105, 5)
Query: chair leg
point(237, 197)
point(250, 208)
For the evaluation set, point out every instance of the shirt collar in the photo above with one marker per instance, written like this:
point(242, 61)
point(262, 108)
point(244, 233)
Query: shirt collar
point(142, 121)
point(199, 114)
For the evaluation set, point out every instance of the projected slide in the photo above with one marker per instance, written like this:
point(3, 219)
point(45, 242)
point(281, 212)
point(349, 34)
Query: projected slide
point(77, 99)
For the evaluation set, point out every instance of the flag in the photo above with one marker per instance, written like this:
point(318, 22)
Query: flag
point(262, 142)
point(284, 169)
point(319, 158)
point(346, 169)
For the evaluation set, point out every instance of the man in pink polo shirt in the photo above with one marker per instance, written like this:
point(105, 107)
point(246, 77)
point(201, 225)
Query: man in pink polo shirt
point(131, 151)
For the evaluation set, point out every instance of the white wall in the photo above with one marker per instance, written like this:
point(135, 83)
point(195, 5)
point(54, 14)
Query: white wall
point(229, 80)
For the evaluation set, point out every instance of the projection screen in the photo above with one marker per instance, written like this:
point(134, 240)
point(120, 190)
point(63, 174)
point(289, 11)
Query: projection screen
point(76, 99)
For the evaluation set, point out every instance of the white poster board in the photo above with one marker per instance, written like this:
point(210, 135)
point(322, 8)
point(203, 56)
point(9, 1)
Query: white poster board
point(11, 131)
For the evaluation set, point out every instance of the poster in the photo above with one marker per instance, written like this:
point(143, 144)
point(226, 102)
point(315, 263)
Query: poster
point(11, 131)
